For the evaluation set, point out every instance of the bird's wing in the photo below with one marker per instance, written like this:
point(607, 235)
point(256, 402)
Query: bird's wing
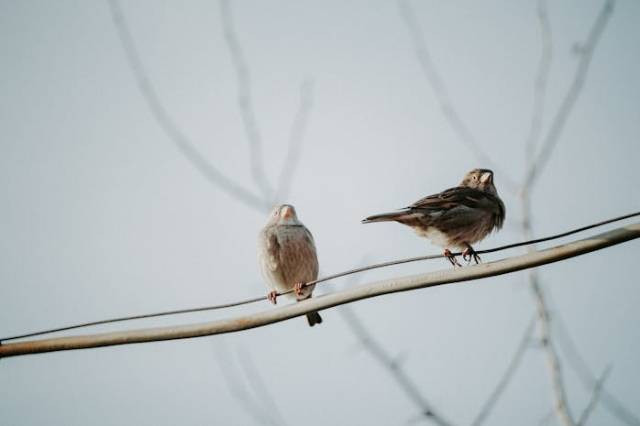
point(297, 256)
point(269, 251)
point(459, 196)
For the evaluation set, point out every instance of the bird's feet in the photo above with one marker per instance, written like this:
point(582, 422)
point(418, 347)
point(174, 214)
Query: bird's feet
point(451, 258)
point(272, 295)
point(469, 253)
point(297, 288)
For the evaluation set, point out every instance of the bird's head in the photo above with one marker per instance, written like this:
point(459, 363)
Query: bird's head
point(481, 179)
point(284, 214)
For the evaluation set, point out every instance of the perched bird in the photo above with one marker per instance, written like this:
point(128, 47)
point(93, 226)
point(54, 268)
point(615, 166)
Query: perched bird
point(287, 256)
point(456, 217)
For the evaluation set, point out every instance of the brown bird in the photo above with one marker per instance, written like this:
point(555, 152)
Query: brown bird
point(287, 257)
point(456, 217)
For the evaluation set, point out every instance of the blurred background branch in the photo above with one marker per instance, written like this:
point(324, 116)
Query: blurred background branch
point(442, 96)
point(296, 137)
point(512, 367)
point(537, 164)
point(393, 365)
point(255, 398)
point(577, 363)
point(245, 101)
point(186, 147)
point(595, 397)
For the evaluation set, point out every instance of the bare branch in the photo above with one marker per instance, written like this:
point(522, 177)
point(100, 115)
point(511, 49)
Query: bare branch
point(540, 86)
point(259, 386)
point(508, 374)
point(561, 404)
point(295, 142)
point(589, 381)
point(595, 395)
point(392, 366)
point(166, 123)
point(245, 101)
point(238, 390)
point(536, 164)
point(559, 121)
point(547, 418)
point(442, 96)
point(504, 266)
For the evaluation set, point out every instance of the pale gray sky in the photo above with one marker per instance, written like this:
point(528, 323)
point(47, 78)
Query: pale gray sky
point(102, 216)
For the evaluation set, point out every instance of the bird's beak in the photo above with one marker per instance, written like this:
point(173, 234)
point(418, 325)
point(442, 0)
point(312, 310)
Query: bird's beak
point(287, 213)
point(486, 177)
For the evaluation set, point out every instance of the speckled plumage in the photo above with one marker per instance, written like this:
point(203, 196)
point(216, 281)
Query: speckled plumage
point(456, 217)
point(287, 255)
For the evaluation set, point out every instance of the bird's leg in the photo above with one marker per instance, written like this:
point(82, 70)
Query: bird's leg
point(469, 253)
point(272, 295)
point(297, 288)
point(451, 258)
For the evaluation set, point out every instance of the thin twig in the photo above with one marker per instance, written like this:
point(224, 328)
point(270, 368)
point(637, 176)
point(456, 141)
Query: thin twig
point(295, 142)
point(238, 390)
point(259, 387)
point(394, 285)
point(245, 101)
point(392, 366)
point(318, 281)
point(561, 403)
point(595, 396)
point(508, 374)
point(557, 125)
point(442, 95)
point(588, 379)
point(386, 361)
point(534, 166)
point(166, 123)
point(540, 86)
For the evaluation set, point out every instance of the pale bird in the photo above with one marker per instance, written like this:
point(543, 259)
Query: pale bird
point(287, 257)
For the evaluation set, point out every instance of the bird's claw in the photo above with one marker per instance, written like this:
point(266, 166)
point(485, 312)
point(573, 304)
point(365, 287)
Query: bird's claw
point(272, 296)
point(469, 253)
point(451, 258)
point(297, 288)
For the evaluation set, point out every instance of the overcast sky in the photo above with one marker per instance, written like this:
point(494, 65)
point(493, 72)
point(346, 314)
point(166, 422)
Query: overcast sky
point(101, 215)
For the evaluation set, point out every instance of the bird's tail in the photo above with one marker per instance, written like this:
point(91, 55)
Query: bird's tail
point(314, 318)
point(386, 217)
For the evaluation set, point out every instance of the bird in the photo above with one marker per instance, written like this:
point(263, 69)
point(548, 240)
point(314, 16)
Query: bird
point(456, 217)
point(287, 257)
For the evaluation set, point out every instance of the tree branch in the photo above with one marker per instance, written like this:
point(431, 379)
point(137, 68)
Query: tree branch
point(504, 266)
point(508, 374)
point(296, 137)
point(535, 165)
point(392, 366)
point(540, 86)
point(166, 123)
point(589, 381)
point(238, 390)
point(442, 95)
point(557, 125)
point(595, 395)
point(245, 101)
point(259, 386)
point(555, 368)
